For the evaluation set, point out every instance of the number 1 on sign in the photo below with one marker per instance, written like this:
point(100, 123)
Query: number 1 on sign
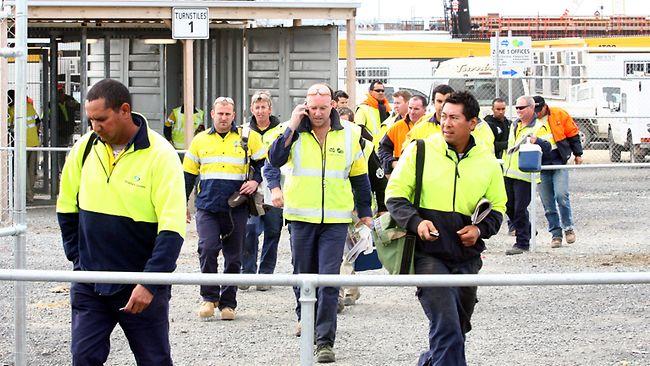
point(192, 27)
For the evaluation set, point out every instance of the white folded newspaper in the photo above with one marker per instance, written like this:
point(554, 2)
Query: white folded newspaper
point(483, 208)
point(359, 240)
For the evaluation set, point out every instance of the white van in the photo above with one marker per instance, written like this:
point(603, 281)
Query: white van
point(478, 76)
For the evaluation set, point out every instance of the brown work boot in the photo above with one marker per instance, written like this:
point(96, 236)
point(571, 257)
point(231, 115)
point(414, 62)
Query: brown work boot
point(207, 309)
point(352, 297)
point(570, 236)
point(556, 242)
point(227, 313)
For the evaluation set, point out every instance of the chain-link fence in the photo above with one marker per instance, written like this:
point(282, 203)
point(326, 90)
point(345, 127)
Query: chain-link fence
point(6, 136)
point(609, 111)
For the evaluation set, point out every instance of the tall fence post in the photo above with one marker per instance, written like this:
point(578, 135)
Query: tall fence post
point(307, 310)
point(533, 211)
point(20, 171)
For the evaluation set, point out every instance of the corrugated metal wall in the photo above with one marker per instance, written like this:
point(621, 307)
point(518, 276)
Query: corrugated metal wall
point(287, 61)
point(137, 65)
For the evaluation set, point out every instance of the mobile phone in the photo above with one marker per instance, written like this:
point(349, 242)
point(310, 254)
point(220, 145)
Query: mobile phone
point(434, 233)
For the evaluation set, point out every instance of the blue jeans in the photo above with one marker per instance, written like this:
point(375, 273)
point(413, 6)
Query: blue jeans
point(318, 248)
point(449, 310)
point(94, 317)
point(271, 224)
point(554, 192)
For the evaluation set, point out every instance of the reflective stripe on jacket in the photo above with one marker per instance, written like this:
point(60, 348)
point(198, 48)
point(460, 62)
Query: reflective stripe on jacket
point(124, 213)
point(177, 122)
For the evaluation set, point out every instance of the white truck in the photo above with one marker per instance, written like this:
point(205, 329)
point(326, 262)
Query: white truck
point(631, 130)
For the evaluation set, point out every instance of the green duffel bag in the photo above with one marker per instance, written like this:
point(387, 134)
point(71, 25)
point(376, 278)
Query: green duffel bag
point(395, 245)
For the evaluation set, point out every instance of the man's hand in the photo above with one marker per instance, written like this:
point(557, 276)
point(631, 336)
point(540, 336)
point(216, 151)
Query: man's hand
point(533, 139)
point(249, 187)
point(277, 199)
point(468, 235)
point(425, 230)
point(296, 116)
point(366, 221)
point(393, 164)
point(139, 300)
point(578, 160)
point(188, 216)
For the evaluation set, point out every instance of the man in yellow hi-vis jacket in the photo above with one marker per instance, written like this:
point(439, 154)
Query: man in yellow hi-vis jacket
point(121, 208)
point(33, 128)
point(457, 174)
point(328, 179)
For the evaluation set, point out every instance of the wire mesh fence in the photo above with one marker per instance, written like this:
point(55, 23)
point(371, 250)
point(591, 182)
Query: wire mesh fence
point(609, 111)
point(6, 135)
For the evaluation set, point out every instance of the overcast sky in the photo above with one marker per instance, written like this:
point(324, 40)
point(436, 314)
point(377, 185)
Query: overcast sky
point(408, 9)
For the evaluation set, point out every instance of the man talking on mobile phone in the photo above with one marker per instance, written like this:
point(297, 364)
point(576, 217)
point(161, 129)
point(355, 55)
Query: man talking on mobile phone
point(328, 180)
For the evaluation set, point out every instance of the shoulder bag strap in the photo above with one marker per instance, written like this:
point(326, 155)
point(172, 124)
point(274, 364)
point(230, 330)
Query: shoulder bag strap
point(89, 145)
point(419, 169)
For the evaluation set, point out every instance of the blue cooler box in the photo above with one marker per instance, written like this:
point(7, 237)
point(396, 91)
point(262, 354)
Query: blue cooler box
point(530, 158)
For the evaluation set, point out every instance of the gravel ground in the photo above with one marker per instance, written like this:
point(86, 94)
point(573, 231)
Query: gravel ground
point(565, 325)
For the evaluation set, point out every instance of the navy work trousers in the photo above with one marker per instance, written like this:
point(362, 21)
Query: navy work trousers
point(94, 317)
point(271, 224)
point(518, 192)
point(449, 310)
point(318, 248)
point(210, 227)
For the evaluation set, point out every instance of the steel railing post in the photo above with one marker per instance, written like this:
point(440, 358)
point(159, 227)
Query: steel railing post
point(307, 315)
point(20, 163)
point(533, 211)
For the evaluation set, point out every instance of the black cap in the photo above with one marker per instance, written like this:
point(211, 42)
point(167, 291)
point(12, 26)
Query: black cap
point(539, 103)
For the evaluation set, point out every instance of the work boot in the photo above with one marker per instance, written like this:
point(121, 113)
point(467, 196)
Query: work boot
point(243, 287)
point(262, 287)
point(515, 250)
point(325, 353)
point(556, 242)
point(570, 236)
point(207, 309)
point(227, 313)
point(351, 298)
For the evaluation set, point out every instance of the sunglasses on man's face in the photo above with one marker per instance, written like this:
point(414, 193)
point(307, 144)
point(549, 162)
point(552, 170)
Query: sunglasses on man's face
point(521, 107)
point(378, 90)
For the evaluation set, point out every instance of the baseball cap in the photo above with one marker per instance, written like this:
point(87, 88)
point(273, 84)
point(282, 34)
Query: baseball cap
point(539, 103)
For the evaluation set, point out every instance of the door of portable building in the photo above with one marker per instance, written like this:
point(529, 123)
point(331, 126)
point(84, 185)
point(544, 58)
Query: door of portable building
point(139, 66)
point(287, 61)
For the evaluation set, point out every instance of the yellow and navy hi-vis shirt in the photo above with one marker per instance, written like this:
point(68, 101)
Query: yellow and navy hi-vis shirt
point(452, 185)
point(125, 213)
point(221, 164)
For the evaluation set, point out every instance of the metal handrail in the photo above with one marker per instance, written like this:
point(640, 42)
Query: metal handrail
point(309, 282)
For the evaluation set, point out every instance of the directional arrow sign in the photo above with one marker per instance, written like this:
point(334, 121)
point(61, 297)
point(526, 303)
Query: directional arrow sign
point(514, 55)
